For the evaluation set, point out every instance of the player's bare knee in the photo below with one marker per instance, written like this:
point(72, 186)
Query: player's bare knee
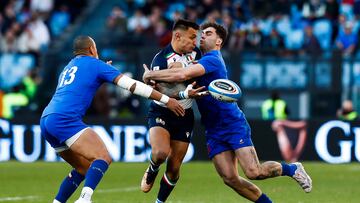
point(230, 180)
point(160, 155)
point(106, 157)
point(252, 173)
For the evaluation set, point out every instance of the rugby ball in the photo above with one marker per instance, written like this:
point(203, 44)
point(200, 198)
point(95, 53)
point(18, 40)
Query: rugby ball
point(224, 90)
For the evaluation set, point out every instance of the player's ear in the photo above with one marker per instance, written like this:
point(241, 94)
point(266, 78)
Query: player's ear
point(219, 41)
point(177, 35)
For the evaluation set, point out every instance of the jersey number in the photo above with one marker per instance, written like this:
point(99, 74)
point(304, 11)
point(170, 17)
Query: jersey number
point(70, 73)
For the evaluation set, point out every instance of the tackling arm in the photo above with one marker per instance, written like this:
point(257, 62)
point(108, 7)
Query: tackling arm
point(141, 89)
point(174, 74)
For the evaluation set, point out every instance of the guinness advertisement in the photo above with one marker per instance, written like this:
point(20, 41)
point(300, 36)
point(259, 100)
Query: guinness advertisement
point(331, 141)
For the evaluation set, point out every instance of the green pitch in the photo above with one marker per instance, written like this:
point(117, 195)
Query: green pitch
point(38, 182)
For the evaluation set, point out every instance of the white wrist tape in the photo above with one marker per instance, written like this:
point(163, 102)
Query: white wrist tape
point(141, 89)
point(164, 99)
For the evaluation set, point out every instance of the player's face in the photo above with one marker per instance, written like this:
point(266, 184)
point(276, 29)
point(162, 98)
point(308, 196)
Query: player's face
point(209, 39)
point(187, 40)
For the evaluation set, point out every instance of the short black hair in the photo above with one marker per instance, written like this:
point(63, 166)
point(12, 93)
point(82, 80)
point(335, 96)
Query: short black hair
point(82, 44)
point(219, 29)
point(185, 25)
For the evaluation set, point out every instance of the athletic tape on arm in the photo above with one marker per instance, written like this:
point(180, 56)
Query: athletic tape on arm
point(141, 89)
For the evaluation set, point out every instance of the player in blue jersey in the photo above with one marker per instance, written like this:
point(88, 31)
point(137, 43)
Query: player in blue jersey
point(61, 122)
point(228, 134)
point(170, 135)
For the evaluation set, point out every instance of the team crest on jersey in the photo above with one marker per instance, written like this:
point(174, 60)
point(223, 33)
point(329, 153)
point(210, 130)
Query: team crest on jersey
point(159, 120)
point(187, 134)
point(186, 59)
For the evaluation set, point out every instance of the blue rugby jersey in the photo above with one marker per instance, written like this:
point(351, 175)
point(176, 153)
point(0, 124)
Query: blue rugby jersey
point(217, 116)
point(77, 86)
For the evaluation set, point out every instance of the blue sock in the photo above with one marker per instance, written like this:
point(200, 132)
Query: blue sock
point(69, 185)
point(263, 199)
point(95, 172)
point(288, 169)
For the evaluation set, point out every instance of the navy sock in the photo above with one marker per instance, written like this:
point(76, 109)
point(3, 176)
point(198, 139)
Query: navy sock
point(288, 169)
point(166, 186)
point(263, 199)
point(153, 166)
point(95, 172)
point(69, 185)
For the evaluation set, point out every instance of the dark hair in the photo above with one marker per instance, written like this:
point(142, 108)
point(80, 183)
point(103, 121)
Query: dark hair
point(82, 44)
point(219, 29)
point(185, 25)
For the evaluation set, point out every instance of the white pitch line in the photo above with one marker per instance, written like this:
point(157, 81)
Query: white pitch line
point(126, 189)
point(8, 199)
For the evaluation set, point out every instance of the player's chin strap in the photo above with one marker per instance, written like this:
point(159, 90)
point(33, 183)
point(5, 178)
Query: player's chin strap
point(141, 89)
point(185, 94)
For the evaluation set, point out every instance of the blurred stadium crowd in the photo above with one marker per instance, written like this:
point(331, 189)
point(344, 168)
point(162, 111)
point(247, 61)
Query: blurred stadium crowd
point(282, 28)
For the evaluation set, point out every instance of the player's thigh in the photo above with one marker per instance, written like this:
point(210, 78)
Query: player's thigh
point(90, 146)
point(226, 164)
point(159, 139)
point(177, 153)
point(248, 158)
point(80, 163)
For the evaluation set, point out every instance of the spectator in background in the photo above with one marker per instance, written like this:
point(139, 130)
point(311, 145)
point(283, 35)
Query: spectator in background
point(117, 21)
point(274, 43)
point(9, 17)
point(346, 42)
point(43, 7)
point(59, 20)
point(274, 108)
point(313, 10)
point(138, 22)
point(39, 30)
point(254, 37)
point(347, 112)
point(311, 45)
point(9, 43)
point(13, 100)
point(28, 43)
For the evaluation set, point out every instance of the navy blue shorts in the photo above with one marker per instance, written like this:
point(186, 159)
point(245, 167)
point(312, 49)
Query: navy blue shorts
point(61, 131)
point(180, 128)
point(236, 136)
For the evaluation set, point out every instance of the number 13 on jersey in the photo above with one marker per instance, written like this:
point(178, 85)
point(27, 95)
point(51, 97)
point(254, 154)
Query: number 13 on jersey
point(68, 76)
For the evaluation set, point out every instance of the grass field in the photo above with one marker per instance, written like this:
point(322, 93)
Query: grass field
point(199, 183)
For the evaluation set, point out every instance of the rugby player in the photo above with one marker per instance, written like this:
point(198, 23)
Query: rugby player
point(61, 122)
point(228, 134)
point(170, 135)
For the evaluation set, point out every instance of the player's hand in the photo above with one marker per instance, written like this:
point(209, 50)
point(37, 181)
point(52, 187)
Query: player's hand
point(196, 93)
point(175, 107)
point(145, 76)
point(109, 62)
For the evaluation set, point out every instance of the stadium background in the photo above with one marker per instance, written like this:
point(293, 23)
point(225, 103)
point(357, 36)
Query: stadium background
point(268, 49)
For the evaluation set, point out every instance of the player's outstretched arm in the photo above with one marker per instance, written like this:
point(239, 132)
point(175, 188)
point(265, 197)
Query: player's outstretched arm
point(141, 89)
point(174, 74)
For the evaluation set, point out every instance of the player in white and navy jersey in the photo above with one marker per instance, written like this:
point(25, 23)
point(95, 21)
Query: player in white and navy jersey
point(61, 122)
point(170, 135)
point(228, 134)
